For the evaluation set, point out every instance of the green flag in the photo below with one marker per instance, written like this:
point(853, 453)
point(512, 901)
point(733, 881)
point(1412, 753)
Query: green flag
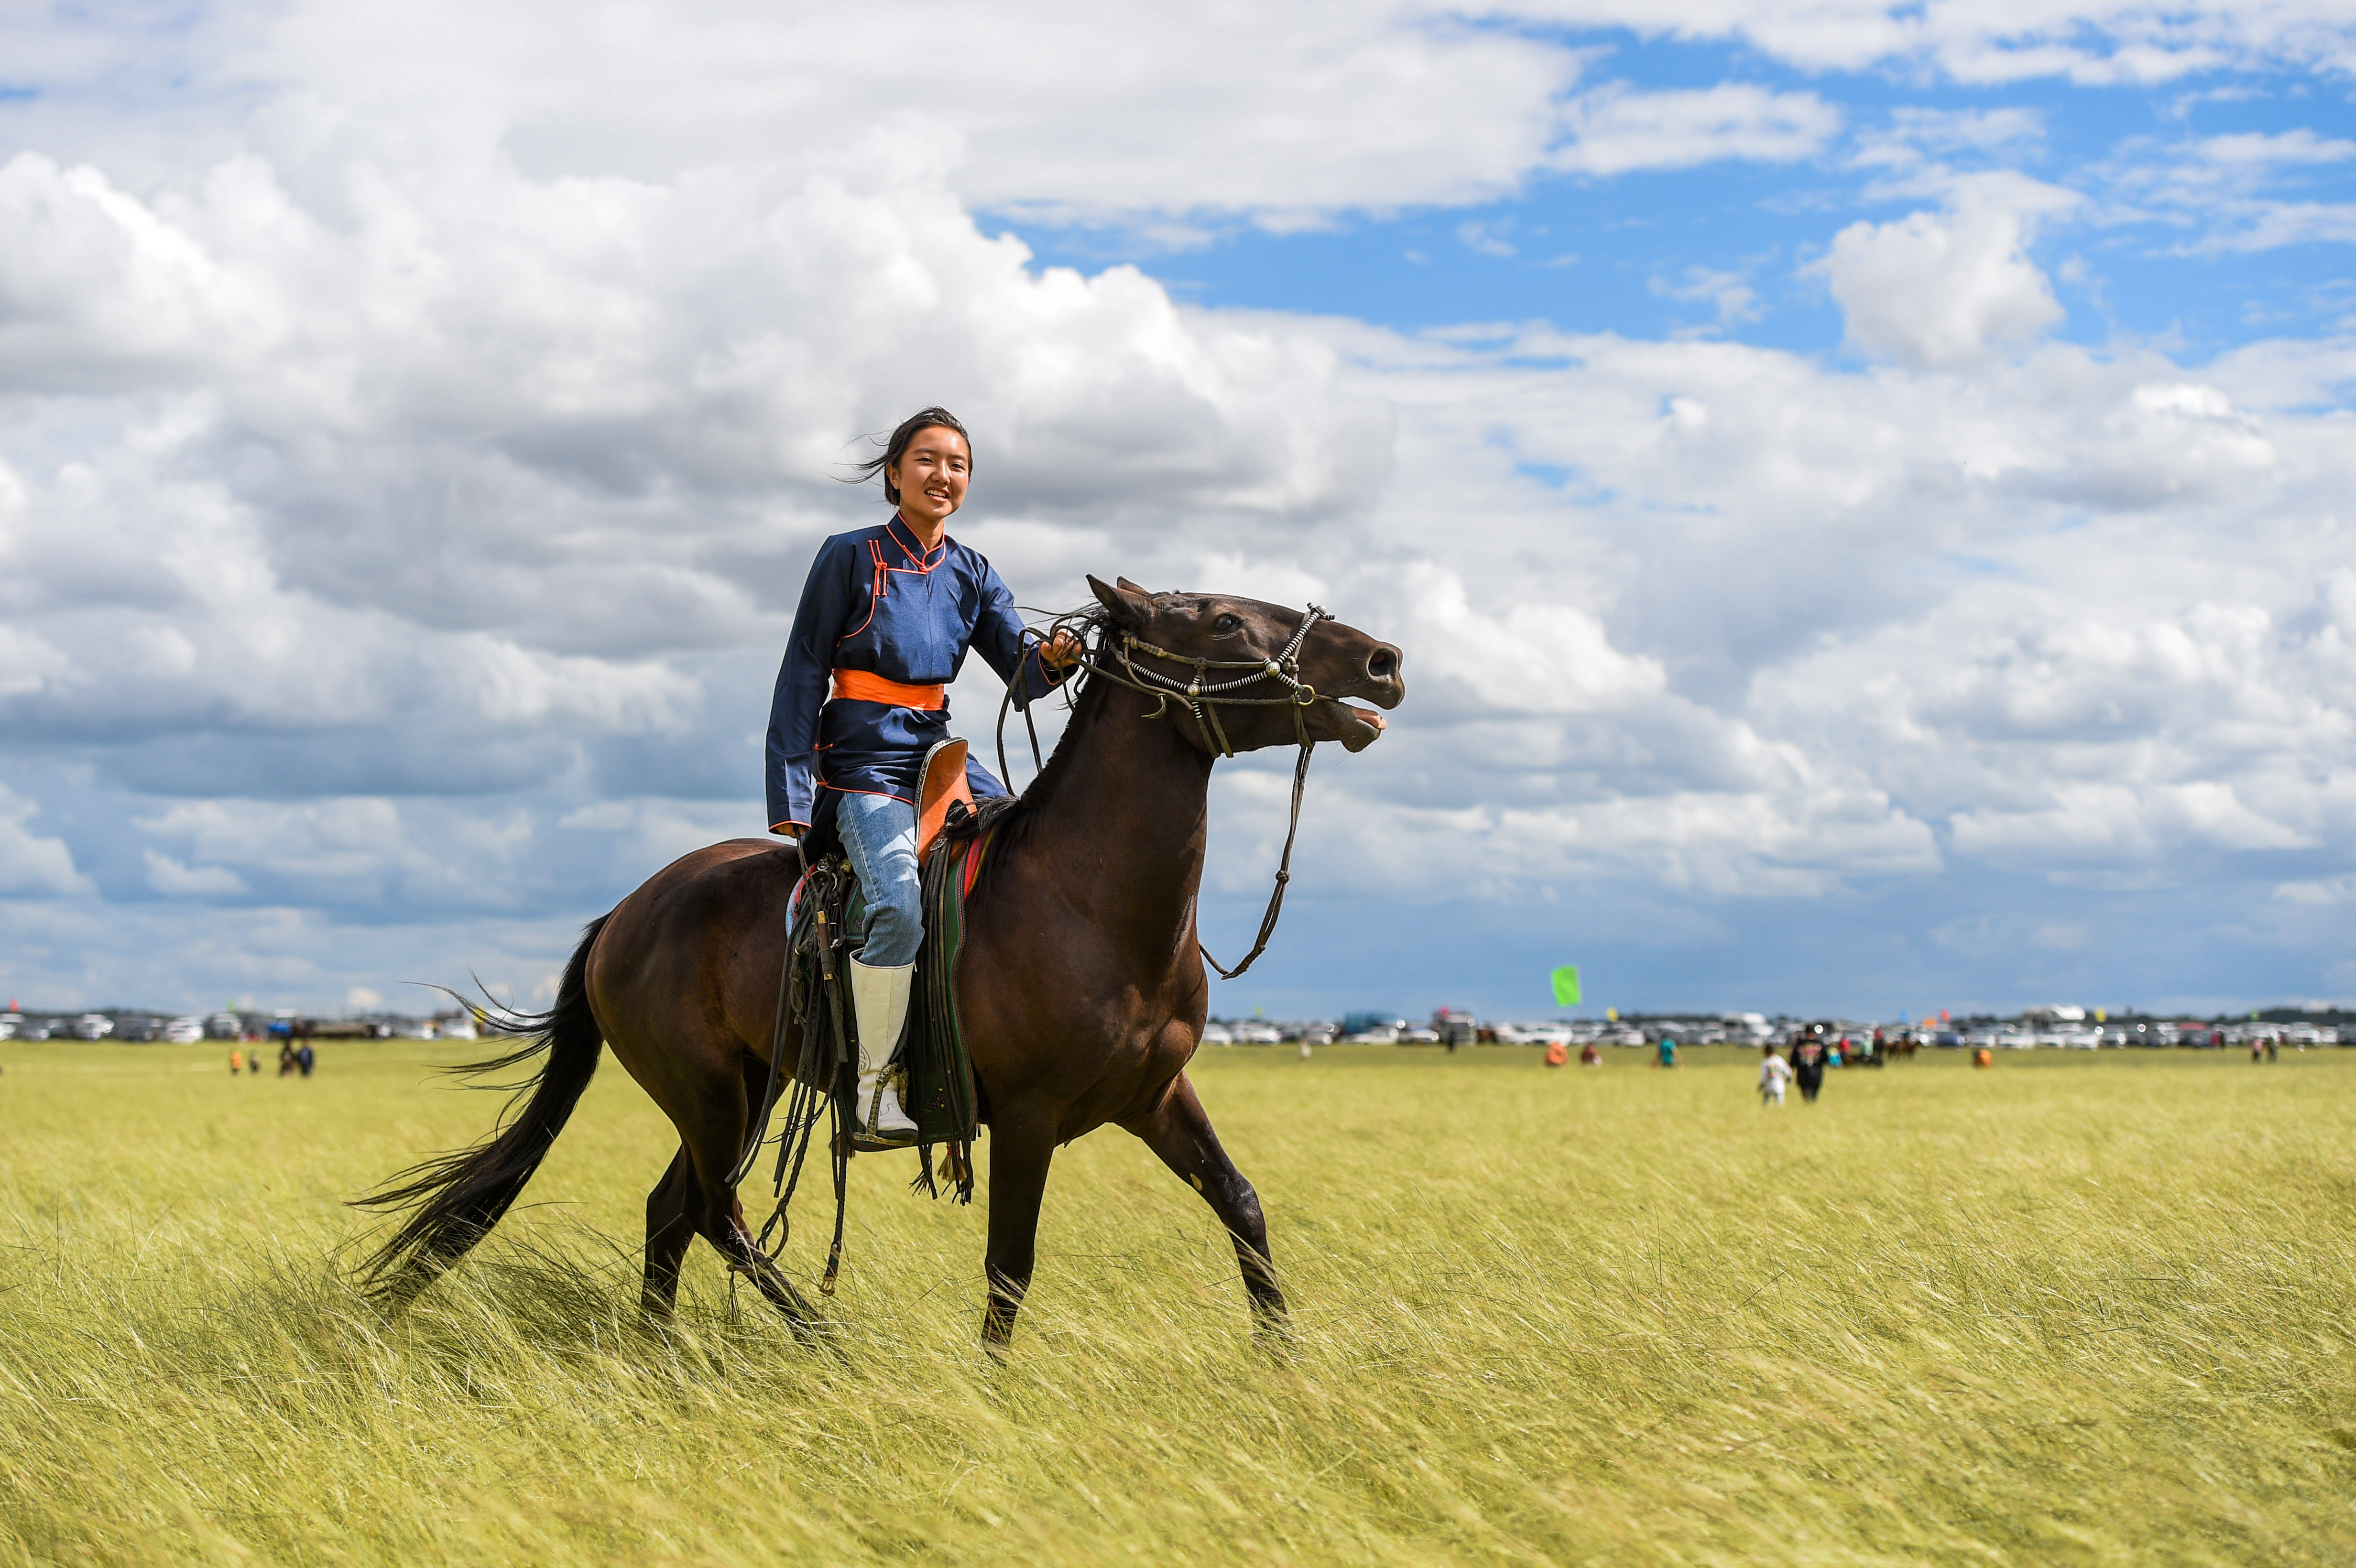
point(1566, 985)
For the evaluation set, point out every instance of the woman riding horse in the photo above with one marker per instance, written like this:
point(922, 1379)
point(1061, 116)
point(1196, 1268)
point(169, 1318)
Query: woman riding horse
point(886, 618)
point(1081, 984)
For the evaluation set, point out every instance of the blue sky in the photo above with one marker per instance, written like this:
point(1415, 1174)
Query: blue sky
point(1651, 254)
point(1862, 489)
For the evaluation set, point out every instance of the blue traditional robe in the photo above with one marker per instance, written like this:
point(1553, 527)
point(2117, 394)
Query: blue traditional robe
point(877, 602)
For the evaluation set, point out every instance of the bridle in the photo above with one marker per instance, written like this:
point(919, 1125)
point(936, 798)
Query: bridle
point(1203, 696)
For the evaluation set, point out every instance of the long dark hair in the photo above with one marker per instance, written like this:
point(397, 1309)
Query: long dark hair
point(897, 447)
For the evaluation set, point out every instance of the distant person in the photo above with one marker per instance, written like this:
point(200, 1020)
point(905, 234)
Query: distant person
point(1983, 1057)
point(304, 1059)
point(1558, 1053)
point(236, 1062)
point(286, 1058)
point(1773, 1070)
point(1668, 1051)
point(1832, 1053)
point(2257, 1050)
point(1590, 1055)
point(253, 1063)
point(2274, 1050)
point(1808, 1067)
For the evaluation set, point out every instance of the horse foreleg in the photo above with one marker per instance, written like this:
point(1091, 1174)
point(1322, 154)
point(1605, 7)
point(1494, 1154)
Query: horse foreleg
point(674, 1214)
point(1019, 1158)
point(1178, 1130)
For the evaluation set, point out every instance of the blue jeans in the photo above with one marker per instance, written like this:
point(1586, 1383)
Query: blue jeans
point(879, 835)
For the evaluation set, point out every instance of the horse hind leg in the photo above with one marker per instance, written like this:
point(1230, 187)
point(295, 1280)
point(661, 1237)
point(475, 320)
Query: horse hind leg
point(725, 1228)
point(1178, 1130)
point(674, 1216)
point(711, 1150)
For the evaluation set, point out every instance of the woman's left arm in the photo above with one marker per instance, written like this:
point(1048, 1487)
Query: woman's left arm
point(791, 762)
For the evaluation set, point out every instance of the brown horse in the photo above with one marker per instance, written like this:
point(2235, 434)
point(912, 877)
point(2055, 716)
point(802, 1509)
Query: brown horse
point(1081, 983)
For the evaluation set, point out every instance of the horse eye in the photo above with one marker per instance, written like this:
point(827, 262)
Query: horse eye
point(1226, 622)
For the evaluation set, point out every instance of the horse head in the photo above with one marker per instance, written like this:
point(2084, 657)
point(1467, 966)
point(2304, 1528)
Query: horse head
point(1268, 675)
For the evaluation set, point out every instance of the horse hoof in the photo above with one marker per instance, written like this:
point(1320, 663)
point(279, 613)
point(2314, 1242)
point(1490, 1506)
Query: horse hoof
point(1273, 1330)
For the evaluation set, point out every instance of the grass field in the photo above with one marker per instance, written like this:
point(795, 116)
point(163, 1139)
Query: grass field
point(2073, 1309)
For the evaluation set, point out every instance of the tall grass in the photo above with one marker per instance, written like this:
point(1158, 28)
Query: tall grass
point(2069, 1310)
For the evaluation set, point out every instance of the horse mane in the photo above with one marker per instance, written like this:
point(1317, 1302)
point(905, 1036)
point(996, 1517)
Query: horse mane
point(1084, 694)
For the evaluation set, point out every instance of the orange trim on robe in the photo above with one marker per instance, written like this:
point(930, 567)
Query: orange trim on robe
point(864, 686)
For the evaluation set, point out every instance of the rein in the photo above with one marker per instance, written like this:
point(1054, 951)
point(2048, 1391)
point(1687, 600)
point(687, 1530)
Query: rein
point(1203, 698)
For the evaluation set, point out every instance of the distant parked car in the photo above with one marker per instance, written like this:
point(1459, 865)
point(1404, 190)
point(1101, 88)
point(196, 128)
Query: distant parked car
point(225, 1026)
point(93, 1025)
point(8, 1028)
point(1259, 1034)
point(184, 1031)
point(1216, 1034)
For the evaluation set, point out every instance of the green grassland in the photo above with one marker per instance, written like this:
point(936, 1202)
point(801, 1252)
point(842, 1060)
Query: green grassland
point(2071, 1309)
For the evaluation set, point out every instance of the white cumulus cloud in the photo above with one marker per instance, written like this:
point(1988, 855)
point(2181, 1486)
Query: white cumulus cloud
point(32, 863)
point(1948, 287)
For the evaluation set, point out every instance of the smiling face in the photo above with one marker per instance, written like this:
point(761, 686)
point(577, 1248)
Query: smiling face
point(1338, 661)
point(931, 477)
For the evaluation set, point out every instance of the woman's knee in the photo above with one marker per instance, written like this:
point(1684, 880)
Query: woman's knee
point(881, 836)
point(895, 922)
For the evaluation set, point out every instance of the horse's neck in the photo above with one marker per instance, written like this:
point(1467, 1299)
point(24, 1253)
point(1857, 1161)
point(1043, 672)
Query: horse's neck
point(1123, 836)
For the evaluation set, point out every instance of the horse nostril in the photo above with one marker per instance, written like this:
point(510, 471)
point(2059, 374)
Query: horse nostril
point(1383, 663)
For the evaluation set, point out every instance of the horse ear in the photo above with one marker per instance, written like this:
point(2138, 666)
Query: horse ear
point(1128, 602)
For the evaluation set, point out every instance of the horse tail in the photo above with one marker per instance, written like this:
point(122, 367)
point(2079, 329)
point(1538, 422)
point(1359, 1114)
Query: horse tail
point(463, 1194)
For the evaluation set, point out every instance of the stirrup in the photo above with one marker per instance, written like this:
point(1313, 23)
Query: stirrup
point(866, 1136)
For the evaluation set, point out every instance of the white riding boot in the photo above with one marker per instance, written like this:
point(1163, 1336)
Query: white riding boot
point(879, 996)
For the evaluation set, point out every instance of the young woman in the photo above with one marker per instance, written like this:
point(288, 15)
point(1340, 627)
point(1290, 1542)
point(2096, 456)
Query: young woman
point(886, 619)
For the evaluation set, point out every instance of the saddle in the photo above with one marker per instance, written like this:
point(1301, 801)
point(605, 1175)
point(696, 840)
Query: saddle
point(830, 908)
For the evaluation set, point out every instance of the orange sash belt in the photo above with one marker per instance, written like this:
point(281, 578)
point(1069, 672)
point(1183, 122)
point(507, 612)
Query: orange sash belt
point(862, 686)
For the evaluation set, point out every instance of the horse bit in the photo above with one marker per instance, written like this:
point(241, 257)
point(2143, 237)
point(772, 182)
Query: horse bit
point(1203, 698)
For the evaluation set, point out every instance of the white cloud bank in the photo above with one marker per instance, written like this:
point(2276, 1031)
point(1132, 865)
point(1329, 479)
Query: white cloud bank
point(401, 501)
